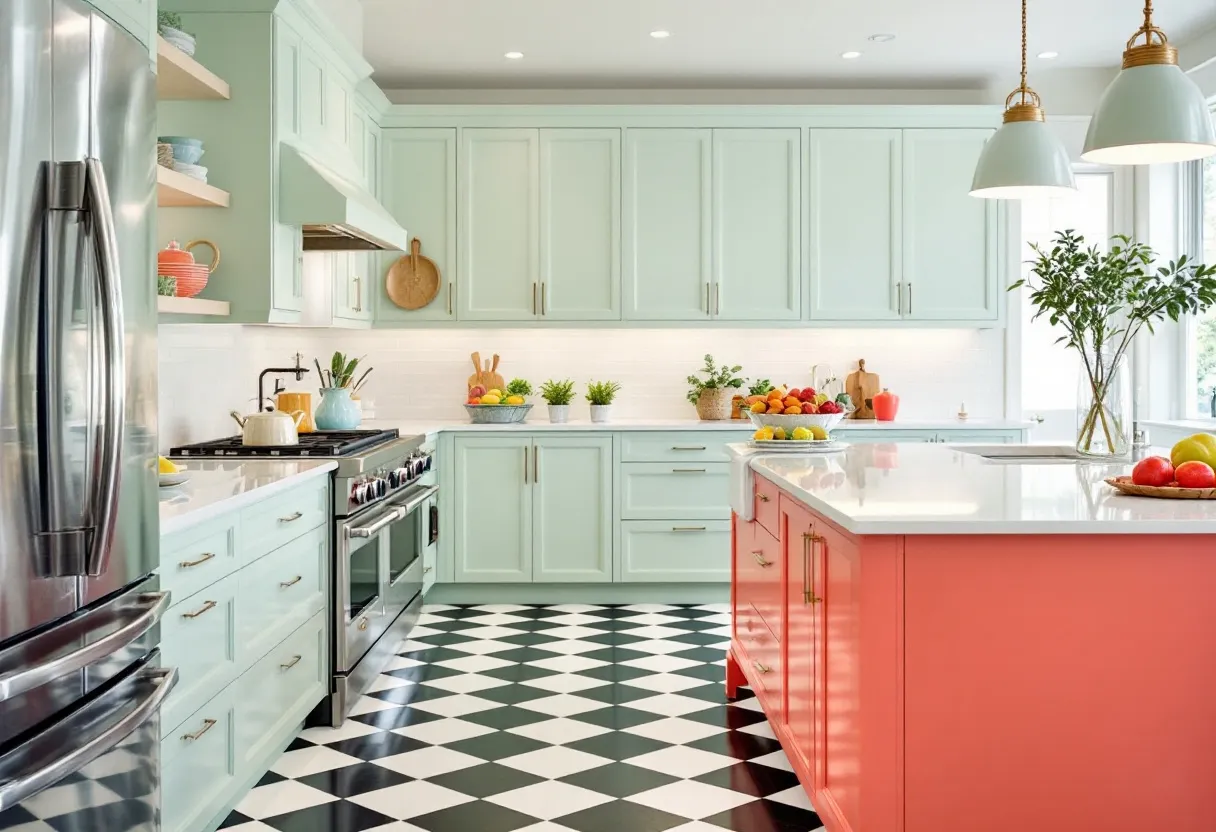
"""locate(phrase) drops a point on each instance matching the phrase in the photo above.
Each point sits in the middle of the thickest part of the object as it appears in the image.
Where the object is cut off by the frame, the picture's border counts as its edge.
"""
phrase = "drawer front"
(198, 637)
(680, 446)
(272, 523)
(198, 557)
(279, 691)
(280, 592)
(766, 498)
(745, 582)
(768, 578)
(674, 551)
(662, 491)
(198, 766)
(763, 655)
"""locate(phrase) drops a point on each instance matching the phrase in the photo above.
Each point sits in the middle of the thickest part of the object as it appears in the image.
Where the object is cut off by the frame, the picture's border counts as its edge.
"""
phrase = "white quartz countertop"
(1195, 425)
(418, 427)
(218, 487)
(912, 488)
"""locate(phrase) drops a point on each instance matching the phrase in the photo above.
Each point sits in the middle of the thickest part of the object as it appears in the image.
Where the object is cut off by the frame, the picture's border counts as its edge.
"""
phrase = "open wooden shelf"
(176, 190)
(191, 306)
(180, 77)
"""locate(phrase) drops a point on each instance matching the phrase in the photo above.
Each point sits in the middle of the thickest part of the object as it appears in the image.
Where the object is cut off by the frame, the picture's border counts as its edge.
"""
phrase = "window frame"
(1190, 243)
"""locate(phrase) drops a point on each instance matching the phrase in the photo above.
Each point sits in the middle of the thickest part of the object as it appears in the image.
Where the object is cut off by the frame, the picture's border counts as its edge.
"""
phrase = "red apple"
(795, 392)
(1153, 470)
(809, 407)
(1195, 474)
(808, 395)
(476, 390)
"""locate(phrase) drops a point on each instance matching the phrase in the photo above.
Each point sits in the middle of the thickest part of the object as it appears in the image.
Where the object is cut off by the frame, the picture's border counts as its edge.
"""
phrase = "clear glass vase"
(1104, 419)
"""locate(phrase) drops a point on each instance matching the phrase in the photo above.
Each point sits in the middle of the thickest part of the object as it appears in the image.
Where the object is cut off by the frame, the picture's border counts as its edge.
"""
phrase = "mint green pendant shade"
(1150, 114)
(1023, 159)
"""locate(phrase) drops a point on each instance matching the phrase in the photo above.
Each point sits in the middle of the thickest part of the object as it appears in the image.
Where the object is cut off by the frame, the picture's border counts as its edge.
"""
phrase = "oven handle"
(418, 499)
(386, 520)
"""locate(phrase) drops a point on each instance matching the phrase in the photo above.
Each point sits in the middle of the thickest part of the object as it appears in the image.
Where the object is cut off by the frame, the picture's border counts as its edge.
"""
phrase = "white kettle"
(270, 427)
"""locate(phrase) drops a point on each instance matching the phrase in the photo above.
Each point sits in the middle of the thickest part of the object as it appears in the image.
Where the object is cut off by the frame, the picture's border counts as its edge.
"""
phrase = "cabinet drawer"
(272, 523)
(766, 498)
(198, 766)
(198, 637)
(280, 592)
(763, 656)
(279, 691)
(759, 571)
(198, 557)
(674, 552)
(680, 446)
(663, 491)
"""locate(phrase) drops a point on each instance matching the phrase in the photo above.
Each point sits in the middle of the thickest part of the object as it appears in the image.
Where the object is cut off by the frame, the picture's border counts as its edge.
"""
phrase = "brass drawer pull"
(688, 528)
(762, 668)
(426, 569)
(688, 447)
(759, 556)
(210, 605)
(688, 470)
(363, 622)
(292, 582)
(295, 660)
(762, 498)
(186, 564)
(291, 518)
(208, 724)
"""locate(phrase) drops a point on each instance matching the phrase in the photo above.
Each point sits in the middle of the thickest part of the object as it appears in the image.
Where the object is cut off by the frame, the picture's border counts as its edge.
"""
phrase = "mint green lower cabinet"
(199, 765)
(658, 490)
(981, 437)
(667, 551)
(198, 637)
(198, 557)
(281, 591)
(430, 554)
(493, 508)
(572, 509)
(683, 446)
(862, 436)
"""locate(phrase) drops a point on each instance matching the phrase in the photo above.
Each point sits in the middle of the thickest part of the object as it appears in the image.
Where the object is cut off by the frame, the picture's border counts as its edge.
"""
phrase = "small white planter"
(559, 414)
(601, 412)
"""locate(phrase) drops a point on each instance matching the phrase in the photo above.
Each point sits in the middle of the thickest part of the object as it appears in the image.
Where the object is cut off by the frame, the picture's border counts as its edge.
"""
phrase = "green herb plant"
(557, 392)
(602, 393)
(1101, 300)
(341, 372)
(759, 387)
(169, 20)
(518, 387)
(716, 378)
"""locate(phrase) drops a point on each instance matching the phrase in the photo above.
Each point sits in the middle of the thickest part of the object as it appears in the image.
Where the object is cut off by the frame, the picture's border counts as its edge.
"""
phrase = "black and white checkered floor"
(567, 718)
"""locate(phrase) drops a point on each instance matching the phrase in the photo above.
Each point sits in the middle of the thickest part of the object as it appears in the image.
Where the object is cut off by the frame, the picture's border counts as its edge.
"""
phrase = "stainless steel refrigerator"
(81, 681)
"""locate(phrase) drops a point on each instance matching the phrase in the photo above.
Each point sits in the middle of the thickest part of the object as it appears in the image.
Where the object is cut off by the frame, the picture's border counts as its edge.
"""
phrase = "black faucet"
(1212, 408)
(298, 371)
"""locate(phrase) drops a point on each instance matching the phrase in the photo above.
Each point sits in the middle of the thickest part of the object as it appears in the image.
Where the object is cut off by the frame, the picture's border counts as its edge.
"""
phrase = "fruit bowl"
(497, 414)
(827, 421)
(1167, 492)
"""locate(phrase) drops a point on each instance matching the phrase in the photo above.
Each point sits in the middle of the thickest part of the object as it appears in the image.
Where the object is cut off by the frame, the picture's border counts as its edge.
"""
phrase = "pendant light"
(1152, 112)
(1024, 158)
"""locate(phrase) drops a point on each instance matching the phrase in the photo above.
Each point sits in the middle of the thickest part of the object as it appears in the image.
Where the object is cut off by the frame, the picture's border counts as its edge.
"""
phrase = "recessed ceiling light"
(848, 56)
(881, 38)
(660, 34)
(514, 56)
(1047, 56)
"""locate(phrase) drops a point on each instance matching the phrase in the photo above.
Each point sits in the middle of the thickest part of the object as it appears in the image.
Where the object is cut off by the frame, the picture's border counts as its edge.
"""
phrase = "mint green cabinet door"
(337, 109)
(667, 224)
(757, 224)
(572, 509)
(357, 143)
(418, 187)
(360, 284)
(493, 509)
(286, 80)
(950, 239)
(580, 227)
(499, 228)
(313, 83)
(854, 183)
(371, 157)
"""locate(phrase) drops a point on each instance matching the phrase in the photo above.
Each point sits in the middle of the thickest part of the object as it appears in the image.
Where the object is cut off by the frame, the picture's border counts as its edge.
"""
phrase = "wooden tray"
(1167, 492)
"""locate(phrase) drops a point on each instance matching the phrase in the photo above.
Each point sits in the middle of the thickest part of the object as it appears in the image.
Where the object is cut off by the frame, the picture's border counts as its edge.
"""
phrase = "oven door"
(406, 545)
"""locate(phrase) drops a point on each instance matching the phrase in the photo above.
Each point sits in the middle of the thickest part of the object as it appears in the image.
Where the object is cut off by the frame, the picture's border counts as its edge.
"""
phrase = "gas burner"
(321, 443)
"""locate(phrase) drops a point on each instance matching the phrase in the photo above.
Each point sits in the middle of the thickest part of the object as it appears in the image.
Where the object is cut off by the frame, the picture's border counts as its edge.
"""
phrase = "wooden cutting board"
(862, 387)
(413, 281)
(486, 376)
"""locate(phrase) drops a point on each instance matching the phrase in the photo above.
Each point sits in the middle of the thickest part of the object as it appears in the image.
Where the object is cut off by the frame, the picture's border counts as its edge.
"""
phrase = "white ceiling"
(746, 43)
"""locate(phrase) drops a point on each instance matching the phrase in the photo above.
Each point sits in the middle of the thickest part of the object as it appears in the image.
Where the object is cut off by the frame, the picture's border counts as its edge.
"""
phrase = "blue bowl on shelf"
(181, 140)
(186, 153)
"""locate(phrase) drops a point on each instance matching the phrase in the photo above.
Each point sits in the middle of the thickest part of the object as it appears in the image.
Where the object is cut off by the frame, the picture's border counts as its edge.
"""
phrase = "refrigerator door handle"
(69, 745)
(18, 674)
(106, 472)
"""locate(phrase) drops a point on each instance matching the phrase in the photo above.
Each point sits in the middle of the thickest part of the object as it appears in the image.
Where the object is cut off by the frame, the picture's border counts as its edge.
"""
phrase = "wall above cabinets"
(696, 216)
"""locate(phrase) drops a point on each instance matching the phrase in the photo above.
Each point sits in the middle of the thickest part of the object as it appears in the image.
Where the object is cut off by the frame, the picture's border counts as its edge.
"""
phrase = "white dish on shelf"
(174, 479)
(802, 446)
(198, 172)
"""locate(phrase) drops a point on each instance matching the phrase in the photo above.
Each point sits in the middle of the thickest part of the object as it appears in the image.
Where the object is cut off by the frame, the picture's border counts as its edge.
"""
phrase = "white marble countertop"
(910, 488)
(418, 427)
(218, 487)
(1196, 425)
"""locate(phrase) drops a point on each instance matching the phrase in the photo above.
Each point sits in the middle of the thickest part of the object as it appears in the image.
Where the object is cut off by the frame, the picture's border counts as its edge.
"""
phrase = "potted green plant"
(601, 394)
(338, 411)
(712, 394)
(169, 25)
(558, 394)
(1101, 300)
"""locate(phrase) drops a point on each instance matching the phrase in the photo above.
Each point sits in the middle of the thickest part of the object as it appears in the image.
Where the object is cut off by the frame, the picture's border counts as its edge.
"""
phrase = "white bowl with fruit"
(796, 408)
(499, 407)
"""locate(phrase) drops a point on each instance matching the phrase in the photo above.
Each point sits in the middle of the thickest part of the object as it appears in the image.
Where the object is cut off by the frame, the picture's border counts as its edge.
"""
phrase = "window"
(1203, 329)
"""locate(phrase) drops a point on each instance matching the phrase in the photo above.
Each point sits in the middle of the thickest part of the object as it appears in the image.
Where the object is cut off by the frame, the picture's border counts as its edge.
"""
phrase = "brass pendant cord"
(1029, 106)
(1156, 48)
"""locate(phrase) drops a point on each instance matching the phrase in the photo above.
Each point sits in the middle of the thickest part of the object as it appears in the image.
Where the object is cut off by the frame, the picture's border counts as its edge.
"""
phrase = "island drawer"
(198, 637)
(281, 519)
(667, 551)
(198, 557)
(198, 764)
(763, 657)
(280, 592)
(680, 446)
(758, 575)
(766, 498)
(663, 491)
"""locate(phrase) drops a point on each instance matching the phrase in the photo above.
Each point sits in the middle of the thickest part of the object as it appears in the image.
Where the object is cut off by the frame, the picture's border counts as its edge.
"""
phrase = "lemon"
(494, 392)
(763, 434)
(817, 432)
(800, 434)
(779, 433)
(491, 398)
(514, 400)
(166, 466)
(820, 398)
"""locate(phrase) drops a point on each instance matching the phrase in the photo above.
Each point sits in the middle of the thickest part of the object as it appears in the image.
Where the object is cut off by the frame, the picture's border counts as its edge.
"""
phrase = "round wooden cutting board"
(413, 281)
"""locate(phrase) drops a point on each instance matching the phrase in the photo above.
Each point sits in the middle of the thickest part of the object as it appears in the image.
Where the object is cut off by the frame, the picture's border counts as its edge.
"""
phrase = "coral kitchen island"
(947, 642)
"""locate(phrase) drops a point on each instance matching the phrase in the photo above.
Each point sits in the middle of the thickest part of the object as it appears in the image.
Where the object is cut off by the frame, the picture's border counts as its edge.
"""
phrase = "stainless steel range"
(385, 515)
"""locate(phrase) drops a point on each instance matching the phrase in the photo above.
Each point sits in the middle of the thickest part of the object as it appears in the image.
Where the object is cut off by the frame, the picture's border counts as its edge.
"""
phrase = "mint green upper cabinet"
(854, 183)
(950, 239)
(418, 187)
(580, 228)
(667, 224)
(499, 229)
(312, 96)
(572, 509)
(757, 224)
(136, 16)
(493, 509)
(337, 108)
(287, 49)
(359, 126)
(351, 285)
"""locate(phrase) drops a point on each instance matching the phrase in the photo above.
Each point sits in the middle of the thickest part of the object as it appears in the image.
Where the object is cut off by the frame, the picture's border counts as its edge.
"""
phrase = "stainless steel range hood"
(334, 213)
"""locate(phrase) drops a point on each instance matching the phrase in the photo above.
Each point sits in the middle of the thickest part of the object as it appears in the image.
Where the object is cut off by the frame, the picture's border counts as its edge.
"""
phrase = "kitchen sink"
(1026, 453)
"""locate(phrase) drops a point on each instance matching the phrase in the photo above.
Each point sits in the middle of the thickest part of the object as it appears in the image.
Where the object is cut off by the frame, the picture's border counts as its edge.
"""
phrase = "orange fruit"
(791, 401)
(754, 399)
(758, 407)
(792, 410)
(775, 407)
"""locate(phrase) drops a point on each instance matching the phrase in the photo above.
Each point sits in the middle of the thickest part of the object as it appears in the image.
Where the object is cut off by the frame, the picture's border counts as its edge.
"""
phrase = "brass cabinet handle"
(292, 582)
(535, 465)
(186, 564)
(809, 539)
(534, 298)
(363, 623)
(909, 297)
(208, 724)
(717, 299)
(761, 667)
(899, 288)
(688, 528)
(291, 518)
(210, 605)
(688, 447)
(525, 464)
(358, 293)
(762, 498)
(543, 286)
(295, 660)
(708, 309)
(449, 299)
(688, 470)
(759, 556)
